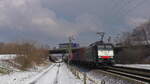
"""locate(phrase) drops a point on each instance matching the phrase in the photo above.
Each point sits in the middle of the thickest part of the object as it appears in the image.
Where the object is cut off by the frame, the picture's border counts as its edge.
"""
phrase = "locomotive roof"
(99, 43)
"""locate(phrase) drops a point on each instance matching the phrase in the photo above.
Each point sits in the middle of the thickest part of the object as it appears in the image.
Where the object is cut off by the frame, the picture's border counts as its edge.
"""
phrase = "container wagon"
(96, 54)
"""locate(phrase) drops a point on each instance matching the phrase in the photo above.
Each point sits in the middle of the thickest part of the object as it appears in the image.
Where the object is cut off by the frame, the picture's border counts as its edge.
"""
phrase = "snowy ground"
(7, 64)
(7, 56)
(143, 66)
(54, 74)
(108, 79)
(97, 77)
(95, 74)
(58, 73)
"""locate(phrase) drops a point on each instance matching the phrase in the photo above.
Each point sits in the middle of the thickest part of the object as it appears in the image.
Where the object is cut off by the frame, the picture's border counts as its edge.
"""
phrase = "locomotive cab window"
(101, 47)
(108, 46)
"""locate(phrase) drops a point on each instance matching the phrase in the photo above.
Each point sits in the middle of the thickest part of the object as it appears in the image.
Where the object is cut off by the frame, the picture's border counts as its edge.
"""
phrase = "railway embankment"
(103, 75)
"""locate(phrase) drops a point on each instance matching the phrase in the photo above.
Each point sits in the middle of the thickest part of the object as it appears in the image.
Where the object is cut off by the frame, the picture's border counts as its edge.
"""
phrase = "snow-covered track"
(137, 74)
(56, 79)
(37, 77)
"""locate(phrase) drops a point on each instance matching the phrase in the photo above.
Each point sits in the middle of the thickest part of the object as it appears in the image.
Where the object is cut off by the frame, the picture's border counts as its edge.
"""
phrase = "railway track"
(136, 74)
(57, 74)
(33, 81)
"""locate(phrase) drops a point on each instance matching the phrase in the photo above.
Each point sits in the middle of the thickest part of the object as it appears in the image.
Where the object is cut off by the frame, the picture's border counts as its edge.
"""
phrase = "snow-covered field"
(95, 76)
(58, 73)
(143, 66)
(7, 62)
(7, 56)
(54, 74)
(16, 78)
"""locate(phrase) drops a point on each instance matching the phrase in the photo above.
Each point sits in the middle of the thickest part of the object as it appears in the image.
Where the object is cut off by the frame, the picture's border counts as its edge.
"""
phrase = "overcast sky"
(52, 21)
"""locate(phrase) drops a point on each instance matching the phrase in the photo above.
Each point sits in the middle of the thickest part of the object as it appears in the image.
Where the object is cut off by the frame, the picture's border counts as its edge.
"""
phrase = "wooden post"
(84, 78)
(103, 82)
(145, 35)
(78, 75)
(70, 47)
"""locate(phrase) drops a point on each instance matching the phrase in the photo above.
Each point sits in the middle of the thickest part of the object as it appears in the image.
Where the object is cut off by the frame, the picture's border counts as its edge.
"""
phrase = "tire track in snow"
(56, 79)
(35, 79)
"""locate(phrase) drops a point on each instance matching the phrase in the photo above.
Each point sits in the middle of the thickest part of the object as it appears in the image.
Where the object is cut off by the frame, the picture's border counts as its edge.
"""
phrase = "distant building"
(66, 45)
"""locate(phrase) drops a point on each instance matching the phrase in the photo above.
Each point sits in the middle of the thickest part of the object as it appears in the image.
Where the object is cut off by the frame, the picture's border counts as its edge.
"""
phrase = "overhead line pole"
(70, 48)
(101, 34)
(145, 35)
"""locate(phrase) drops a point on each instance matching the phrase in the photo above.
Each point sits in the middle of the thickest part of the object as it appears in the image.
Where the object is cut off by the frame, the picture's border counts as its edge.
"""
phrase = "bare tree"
(135, 43)
(28, 53)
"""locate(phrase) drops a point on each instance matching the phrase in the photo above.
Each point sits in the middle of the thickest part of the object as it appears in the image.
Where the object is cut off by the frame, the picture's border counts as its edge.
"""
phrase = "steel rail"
(138, 74)
(137, 71)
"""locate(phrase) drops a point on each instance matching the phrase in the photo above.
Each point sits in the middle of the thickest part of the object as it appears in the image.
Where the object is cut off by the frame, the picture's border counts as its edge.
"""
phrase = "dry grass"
(29, 54)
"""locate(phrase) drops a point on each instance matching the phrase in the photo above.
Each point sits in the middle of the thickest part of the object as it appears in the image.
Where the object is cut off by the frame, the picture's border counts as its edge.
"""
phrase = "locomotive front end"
(105, 54)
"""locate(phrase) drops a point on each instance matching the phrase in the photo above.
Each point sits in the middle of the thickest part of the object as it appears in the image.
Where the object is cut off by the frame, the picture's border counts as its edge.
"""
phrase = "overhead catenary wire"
(123, 10)
(118, 11)
(124, 7)
(135, 6)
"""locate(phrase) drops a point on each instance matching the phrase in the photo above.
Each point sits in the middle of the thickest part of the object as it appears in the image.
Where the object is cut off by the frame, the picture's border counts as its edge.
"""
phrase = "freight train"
(96, 54)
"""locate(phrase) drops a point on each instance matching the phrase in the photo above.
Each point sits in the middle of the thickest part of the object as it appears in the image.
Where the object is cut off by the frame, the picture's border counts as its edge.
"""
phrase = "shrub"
(29, 55)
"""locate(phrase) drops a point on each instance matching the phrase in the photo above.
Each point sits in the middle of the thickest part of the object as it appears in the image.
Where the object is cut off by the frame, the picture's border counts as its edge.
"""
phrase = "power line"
(125, 5)
(137, 5)
(116, 4)
(122, 12)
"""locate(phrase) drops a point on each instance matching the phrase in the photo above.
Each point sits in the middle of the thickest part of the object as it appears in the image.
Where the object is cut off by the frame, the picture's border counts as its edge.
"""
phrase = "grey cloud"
(31, 18)
(56, 19)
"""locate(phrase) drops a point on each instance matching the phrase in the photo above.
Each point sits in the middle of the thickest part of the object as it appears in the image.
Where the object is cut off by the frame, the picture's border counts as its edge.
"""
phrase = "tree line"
(29, 54)
(136, 43)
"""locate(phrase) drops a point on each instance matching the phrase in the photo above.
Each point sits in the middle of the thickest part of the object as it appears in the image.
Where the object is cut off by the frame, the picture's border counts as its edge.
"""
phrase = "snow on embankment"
(7, 63)
(21, 77)
(143, 66)
(55, 74)
(16, 78)
(66, 77)
(7, 56)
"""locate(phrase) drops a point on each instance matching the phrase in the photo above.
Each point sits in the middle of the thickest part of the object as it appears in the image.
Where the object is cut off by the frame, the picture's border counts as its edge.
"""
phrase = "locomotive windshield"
(105, 50)
(105, 47)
